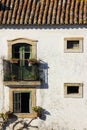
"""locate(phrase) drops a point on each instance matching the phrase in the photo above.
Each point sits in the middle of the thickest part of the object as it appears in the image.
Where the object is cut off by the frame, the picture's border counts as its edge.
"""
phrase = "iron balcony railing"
(14, 72)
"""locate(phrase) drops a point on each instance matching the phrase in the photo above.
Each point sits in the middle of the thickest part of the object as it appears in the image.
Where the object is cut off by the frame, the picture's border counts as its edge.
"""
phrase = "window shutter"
(17, 102)
(30, 51)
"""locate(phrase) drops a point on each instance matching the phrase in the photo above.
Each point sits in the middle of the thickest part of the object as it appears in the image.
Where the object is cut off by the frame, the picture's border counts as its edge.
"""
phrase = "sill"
(73, 50)
(25, 115)
(22, 83)
(73, 96)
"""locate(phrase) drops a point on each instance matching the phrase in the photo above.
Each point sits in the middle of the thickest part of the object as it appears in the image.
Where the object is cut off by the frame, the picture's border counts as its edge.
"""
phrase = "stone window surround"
(22, 40)
(33, 103)
(74, 95)
(78, 50)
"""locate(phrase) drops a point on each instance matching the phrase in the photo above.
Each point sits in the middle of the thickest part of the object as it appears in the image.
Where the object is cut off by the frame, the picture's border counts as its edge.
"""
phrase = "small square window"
(72, 90)
(73, 45)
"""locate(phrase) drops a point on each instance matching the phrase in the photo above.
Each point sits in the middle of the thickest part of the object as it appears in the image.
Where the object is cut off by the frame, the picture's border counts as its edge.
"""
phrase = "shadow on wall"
(24, 124)
(7, 119)
(44, 74)
(51, 27)
(44, 113)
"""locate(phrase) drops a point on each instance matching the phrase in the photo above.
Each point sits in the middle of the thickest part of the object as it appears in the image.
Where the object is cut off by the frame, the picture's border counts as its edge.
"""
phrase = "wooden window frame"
(73, 95)
(33, 101)
(73, 50)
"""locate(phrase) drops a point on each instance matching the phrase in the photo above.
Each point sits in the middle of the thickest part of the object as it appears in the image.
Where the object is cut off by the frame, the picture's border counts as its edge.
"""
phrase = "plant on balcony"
(33, 61)
(13, 77)
(7, 77)
(37, 110)
(32, 76)
(14, 60)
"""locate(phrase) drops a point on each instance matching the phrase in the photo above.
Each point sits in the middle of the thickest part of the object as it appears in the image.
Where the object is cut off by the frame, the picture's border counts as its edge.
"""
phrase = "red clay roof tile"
(43, 12)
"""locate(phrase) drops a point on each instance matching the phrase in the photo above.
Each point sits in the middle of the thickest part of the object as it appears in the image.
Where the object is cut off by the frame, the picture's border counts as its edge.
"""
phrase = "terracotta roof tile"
(43, 12)
(72, 12)
(54, 12)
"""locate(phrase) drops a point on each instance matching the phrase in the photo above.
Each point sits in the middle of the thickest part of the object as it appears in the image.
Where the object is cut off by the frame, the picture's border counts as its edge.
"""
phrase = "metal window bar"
(13, 71)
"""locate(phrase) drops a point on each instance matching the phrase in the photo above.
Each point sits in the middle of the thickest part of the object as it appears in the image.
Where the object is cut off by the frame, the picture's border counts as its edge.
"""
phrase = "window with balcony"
(19, 67)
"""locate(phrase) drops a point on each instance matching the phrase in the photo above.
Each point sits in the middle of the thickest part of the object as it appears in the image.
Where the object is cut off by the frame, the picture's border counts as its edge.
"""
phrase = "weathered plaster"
(64, 113)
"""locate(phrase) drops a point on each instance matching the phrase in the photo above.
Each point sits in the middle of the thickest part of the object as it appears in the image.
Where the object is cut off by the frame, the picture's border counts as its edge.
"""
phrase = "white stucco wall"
(65, 113)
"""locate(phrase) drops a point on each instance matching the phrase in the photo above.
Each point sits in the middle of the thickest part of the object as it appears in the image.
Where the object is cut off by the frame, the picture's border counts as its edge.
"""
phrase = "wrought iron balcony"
(15, 73)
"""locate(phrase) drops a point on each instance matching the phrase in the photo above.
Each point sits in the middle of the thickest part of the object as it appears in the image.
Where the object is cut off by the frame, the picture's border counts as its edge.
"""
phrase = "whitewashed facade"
(64, 113)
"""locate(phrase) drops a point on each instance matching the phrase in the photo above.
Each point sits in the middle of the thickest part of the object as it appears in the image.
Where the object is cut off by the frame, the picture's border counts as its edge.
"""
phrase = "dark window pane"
(72, 44)
(27, 55)
(25, 102)
(15, 55)
(72, 89)
(27, 48)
